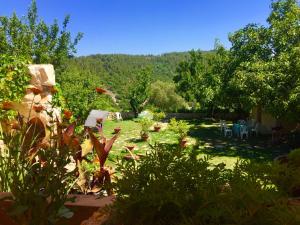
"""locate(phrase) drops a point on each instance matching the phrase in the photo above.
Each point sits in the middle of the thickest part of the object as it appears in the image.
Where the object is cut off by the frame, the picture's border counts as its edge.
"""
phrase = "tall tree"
(80, 94)
(265, 60)
(164, 97)
(250, 51)
(260, 69)
(36, 41)
(195, 80)
(140, 91)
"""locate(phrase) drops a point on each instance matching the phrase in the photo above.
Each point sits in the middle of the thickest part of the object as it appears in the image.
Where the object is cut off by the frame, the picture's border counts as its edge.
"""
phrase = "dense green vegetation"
(80, 94)
(13, 80)
(118, 73)
(166, 181)
(163, 96)
(34, 40)
(173, 186)
(28, 39)
(260, 69)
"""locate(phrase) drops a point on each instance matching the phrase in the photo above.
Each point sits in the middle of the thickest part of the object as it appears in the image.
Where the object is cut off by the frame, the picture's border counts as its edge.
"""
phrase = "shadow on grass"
(212, 142)
(135, 140)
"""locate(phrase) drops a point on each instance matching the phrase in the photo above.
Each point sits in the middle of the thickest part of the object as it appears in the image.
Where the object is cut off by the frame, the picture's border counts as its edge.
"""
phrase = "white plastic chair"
(244, 131)
(228, 131)
(222, 125)
(242, 122)
(255, 129)
(118, 116)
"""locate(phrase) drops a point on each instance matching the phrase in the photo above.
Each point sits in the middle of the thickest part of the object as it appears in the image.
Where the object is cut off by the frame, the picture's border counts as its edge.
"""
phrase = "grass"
(205, 134)
(130, 135)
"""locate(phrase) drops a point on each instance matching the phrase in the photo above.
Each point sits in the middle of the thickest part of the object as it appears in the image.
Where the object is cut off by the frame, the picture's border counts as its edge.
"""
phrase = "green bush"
(172, 186)
(180, 128)
(14, 79)
(145, 125)
(286, 174)
(158, 116)
(164, 97)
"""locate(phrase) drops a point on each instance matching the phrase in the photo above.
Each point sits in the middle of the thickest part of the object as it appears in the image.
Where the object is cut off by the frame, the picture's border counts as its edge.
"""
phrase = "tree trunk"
(134, 108)
(212, 110)
(258, 113)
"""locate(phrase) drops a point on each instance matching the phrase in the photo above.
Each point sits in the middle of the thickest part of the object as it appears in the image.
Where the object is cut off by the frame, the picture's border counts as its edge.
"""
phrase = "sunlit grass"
(205, 134)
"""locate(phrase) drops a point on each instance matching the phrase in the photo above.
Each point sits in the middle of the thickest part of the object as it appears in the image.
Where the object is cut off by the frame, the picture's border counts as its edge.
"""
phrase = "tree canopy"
(164, 97)
(36, 41)
(139, 93)
(261, 68)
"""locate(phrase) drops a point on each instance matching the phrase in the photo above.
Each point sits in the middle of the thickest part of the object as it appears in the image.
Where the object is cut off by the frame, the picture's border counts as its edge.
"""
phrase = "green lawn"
(205, 134)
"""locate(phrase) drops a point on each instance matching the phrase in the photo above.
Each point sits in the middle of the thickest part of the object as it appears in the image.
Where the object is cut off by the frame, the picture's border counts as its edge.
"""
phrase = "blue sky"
(148, 26)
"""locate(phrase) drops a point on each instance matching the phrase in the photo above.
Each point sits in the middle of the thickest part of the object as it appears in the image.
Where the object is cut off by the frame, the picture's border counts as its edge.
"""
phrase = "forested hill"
(115, 72)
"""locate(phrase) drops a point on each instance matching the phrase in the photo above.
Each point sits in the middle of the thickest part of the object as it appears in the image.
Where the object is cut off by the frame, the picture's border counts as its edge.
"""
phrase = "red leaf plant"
(35, 90)
(38, 108)
(72, 142)
(65, 136)
(7, 105)
(67, 114)
(100, 90)
(102, 148)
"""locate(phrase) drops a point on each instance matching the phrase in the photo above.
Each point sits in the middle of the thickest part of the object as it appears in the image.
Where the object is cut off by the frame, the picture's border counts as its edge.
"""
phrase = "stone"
(43, 79)
(42, 75)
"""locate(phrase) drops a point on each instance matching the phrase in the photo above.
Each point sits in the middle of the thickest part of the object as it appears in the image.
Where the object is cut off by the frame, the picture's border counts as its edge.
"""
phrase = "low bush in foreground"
(34, 170)
(173, 186)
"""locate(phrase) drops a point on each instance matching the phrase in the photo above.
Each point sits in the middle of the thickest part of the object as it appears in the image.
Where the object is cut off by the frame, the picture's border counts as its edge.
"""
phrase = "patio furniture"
(242, 122)
(251, 123)
(222, 125)
(236, 129)
(244, 131)
(227, 131)
(255, 129)
(118, 116)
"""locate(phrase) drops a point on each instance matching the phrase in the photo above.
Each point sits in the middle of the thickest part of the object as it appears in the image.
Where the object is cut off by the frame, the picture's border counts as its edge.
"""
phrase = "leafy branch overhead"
(36, 41)
(260, 69)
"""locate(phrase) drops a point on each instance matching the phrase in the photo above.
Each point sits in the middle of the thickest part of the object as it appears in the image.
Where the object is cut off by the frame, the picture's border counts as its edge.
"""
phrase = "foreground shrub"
(173, 186)
(14, 79)
(34, 169)
(286, 173)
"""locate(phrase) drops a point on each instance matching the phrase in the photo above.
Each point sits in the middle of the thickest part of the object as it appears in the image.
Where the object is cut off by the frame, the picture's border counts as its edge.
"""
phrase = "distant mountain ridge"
(117, 71)
(125, 66)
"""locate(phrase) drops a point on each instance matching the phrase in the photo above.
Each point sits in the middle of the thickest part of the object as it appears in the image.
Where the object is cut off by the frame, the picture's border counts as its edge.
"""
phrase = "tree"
(164, 97)
(260, 69)
(80, 94)
(250, 51)
(195, 80)
(140, 91)
(284, 27)
(266, 68)
(31, 38)
(14, 78)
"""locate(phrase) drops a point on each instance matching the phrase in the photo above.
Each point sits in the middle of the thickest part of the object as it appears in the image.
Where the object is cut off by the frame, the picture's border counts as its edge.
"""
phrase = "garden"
(216, 144)
(204, 134)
